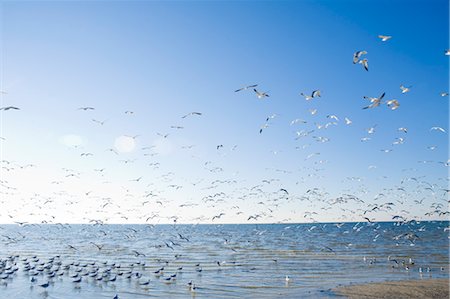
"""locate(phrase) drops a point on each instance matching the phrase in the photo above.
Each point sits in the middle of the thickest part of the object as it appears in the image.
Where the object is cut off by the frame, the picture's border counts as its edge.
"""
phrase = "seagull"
(192, 113)
(357, 55)
(246, 87)
(447, 52)
(265, 126)
(163, 135)
(314, 94)
(393, 104)
(333, 117)
(260, 95)
(9, 108)
(384, 37)
(405, 89)
(402, 129)
(99, 122)
(375, 101)
(371, 130)
(86, 108)
(347, 121)
(298, 120)
(444, 94)
(45, 285)
(365, 63)
(438, 129)
(218, 216)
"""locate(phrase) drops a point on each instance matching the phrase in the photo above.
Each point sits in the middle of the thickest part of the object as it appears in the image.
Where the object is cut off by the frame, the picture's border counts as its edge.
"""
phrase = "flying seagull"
(86, 108)
(192, 113)
(357, 55)
(393, 104)
(438, 129)
(375, 101)
(405, 89)
(365, 63)
(384, 37)
(260, 95)
(314, 94)
(9, 108)
(246, 87)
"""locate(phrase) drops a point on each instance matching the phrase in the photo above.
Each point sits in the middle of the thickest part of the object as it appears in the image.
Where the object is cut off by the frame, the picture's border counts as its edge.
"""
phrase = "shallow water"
(253, 259)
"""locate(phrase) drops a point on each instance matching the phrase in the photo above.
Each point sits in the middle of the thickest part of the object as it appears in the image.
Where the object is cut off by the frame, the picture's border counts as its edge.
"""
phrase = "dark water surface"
(246, 261)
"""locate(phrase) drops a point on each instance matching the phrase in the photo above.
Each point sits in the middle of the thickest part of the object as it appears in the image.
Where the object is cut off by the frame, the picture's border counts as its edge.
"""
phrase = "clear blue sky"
(163, 60)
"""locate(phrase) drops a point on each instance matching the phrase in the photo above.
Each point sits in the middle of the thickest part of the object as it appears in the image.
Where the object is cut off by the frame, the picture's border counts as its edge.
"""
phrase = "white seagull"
(314, 94)
(357, 55)
(260, 95)
(405, 89)
(384, 37)
(438, 129)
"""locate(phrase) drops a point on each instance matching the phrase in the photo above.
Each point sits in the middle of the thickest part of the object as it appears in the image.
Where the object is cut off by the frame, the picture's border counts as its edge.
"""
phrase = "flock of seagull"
(270, 201)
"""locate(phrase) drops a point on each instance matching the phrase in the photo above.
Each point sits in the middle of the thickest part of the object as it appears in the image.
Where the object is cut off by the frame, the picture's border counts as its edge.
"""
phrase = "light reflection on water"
(254, 259)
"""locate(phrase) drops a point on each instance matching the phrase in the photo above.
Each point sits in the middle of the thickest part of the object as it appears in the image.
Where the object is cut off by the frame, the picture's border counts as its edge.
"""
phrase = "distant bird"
(405, 89)
(297, 120)
(265, 126)
(314, 94)
(129, 112)
(365, 63)
(246, 87)
(402, 129)
(357, 55)
(313, 111)
(347, 121)
(9, 108)
(219, 146)
(447, 52)
(393, 104)
(217, 216)
(99, 122)
(192, 113)
(333, 117)
(285, 191)
(437, 129)
(375, 101)
(444, 94)
(384, 37)
(260, 95)
(163, 135)
(86, 108)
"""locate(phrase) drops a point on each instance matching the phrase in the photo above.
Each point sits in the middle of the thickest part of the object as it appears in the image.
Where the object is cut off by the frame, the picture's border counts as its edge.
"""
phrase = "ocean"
(221, 261)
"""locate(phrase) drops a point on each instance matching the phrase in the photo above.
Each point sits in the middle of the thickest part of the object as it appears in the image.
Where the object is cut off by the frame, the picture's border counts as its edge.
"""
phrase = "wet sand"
(430, 288)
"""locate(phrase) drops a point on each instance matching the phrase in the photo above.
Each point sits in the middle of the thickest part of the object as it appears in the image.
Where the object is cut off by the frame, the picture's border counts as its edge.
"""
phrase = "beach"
(428, 288)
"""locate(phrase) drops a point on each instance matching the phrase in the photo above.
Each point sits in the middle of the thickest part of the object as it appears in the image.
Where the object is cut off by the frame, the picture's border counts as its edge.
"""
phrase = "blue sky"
(163, 60)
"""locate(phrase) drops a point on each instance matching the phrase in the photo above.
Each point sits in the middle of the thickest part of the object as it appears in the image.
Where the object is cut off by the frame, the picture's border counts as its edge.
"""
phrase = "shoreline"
(427, 288)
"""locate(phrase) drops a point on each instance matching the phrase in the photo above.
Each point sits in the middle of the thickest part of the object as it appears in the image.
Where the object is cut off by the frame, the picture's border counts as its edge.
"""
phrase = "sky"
(141, 155)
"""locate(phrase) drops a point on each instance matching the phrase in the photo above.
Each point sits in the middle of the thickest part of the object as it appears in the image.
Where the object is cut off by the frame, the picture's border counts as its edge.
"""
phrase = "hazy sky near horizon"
(144, 65)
